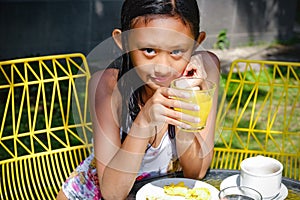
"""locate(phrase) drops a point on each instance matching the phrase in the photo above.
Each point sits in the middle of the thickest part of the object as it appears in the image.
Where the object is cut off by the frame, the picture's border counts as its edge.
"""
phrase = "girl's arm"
(196, 150)
(118, 164)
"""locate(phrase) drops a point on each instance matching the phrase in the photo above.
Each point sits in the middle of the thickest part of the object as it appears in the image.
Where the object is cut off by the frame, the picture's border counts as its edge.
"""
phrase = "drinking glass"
(201, 93)
(239, 193)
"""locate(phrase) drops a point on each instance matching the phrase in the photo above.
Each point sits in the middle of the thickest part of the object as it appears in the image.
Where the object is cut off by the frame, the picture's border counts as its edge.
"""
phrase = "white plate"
(235, 180)
(155, 188)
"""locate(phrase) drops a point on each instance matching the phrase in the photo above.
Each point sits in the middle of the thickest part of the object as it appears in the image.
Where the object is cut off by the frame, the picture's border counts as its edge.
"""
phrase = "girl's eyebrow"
(145, 44)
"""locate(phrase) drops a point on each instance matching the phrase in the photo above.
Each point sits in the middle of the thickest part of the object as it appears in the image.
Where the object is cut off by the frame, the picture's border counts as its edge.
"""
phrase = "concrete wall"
(42, 27)
(248, 21)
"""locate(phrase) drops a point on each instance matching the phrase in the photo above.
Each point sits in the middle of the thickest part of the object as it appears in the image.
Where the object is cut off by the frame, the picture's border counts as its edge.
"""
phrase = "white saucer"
(235, 180)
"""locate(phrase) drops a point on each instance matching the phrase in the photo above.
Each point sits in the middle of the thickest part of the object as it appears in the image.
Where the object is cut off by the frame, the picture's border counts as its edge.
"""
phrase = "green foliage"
(222, 40)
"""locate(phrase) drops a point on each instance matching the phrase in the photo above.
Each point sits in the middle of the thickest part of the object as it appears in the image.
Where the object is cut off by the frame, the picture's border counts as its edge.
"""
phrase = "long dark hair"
(186, 10)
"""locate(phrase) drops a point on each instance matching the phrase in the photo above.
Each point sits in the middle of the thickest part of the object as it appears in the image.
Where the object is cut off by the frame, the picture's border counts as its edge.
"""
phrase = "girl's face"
(160, 50)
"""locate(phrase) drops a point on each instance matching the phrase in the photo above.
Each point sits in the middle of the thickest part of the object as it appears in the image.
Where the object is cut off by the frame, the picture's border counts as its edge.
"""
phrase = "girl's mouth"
(162, 81)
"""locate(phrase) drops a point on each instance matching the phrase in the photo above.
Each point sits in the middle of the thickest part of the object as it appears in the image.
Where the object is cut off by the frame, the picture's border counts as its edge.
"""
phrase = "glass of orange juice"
(201, 93)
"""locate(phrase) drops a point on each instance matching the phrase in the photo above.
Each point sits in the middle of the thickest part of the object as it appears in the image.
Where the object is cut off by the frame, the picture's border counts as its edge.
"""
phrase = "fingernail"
(186, 94)
(185, 126)
(188, 127)
(197, 120)
(196, 107)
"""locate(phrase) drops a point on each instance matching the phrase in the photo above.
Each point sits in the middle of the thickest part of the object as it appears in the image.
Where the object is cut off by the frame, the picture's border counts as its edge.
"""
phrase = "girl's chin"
(156, 85)
(153, 86)
(160, 82)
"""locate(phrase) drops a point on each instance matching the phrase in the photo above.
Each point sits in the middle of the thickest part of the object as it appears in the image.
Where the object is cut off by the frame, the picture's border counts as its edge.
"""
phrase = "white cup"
(262, 174)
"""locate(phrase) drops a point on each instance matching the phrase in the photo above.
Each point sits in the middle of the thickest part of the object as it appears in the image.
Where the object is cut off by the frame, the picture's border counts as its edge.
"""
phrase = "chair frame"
(248, 127)
(49, 153)
(41, 139)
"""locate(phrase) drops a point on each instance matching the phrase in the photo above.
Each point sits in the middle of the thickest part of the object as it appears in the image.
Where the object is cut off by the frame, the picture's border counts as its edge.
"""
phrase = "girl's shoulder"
(103, 86)
(104, 82)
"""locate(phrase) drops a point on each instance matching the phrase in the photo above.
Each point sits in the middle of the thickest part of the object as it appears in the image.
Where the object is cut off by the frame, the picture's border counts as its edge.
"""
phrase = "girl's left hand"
(195, 68)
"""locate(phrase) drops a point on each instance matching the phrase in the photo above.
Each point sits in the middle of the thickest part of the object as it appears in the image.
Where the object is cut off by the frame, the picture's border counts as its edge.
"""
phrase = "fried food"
(198, 194)
(180, 189)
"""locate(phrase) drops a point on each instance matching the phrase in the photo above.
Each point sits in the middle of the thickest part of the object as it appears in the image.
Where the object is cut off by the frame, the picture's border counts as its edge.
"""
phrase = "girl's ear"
(116, 34)
(201, 37)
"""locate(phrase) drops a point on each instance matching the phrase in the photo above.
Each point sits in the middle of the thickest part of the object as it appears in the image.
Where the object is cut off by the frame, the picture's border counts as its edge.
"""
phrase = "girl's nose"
(163, 66)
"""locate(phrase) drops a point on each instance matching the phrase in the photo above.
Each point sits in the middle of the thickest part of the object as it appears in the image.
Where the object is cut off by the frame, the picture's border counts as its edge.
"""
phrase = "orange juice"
(204, 101)
(201, 93)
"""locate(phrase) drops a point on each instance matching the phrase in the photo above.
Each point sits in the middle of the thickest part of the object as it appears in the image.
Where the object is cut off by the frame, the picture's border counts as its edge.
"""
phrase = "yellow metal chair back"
(259, 114)
(45, 130)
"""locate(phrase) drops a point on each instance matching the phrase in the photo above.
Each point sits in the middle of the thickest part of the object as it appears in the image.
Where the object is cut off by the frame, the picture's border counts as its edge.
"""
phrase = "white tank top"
(157, 160)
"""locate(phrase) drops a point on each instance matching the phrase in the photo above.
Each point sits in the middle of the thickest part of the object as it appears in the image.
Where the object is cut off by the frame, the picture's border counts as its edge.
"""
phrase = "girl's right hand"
(158, 110)
(195, 67)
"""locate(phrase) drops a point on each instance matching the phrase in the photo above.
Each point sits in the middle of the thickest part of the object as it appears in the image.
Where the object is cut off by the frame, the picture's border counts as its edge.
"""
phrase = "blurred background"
(47, 27)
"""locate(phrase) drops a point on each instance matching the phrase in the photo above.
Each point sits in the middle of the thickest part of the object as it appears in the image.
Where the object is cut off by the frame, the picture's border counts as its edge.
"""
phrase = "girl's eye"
(149, 51)
(177, 52)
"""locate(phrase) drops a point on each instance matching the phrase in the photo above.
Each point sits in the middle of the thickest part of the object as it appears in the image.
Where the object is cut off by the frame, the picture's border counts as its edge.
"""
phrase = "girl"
(136, 132)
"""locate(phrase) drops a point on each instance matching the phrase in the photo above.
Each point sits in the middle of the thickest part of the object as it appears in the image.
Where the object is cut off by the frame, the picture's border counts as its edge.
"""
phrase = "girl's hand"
(195, 68)
(159, 109)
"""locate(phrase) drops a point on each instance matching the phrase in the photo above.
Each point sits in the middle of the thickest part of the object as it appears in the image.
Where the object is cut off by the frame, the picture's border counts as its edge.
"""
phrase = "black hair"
(133, 10)
(187, 10)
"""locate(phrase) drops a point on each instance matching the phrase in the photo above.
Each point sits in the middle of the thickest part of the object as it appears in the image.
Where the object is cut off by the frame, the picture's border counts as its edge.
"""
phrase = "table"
(215, 177)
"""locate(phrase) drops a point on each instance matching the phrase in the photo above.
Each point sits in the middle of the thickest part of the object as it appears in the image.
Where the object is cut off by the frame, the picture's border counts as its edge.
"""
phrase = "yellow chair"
(45, 130)
(259, 114)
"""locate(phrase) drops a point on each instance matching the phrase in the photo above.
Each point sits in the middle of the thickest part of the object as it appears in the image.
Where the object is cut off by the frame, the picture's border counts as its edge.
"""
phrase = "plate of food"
(177, 189)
